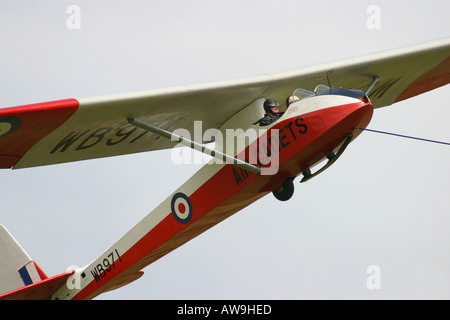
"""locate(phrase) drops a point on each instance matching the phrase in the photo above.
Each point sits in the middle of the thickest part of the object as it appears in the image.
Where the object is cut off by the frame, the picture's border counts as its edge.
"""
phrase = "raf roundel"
(181, 208)
(8, 125)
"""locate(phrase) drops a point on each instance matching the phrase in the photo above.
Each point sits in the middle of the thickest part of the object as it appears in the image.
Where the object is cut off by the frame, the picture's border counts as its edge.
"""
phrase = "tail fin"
(17, 269)
(20, 276)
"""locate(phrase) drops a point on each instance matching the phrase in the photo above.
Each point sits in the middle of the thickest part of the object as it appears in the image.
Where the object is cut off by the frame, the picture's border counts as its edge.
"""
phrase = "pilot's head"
(290, 100)
(271, 106)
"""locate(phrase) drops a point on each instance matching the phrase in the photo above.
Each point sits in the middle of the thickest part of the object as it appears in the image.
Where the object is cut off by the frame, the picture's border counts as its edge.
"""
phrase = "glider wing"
(81, 129)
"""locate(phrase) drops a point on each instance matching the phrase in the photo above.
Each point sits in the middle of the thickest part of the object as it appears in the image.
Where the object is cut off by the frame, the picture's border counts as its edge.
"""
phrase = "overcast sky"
(385, 202)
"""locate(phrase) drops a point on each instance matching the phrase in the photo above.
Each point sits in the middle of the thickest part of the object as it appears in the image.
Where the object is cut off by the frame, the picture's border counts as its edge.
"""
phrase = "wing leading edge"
(73, 130)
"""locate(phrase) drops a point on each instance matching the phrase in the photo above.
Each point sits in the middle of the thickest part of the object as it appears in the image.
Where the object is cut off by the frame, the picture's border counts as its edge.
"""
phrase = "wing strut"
(370, 87)
(194, 145)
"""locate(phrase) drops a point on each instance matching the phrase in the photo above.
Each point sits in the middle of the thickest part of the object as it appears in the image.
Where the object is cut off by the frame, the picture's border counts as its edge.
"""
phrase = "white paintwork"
(215, 103)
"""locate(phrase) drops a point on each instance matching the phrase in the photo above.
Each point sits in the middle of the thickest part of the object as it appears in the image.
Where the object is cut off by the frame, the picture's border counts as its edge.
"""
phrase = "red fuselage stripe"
(223, 194)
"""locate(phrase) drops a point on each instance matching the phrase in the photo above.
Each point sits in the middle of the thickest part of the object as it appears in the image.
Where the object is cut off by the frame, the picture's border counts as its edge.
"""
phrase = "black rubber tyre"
(286, 190)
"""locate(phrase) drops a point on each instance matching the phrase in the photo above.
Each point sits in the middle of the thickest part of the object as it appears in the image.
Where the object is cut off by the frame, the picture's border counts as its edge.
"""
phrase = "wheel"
(286, 190)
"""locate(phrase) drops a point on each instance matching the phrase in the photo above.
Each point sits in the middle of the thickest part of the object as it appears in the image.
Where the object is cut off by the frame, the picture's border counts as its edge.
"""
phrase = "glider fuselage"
(308, 131)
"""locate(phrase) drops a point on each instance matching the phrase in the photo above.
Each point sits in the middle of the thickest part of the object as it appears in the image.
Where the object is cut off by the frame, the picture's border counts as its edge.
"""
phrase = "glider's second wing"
(80, 129)
(71, 130)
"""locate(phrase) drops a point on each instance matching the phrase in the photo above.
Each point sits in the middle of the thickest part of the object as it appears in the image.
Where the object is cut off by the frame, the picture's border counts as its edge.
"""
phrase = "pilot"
(291, 99)
(272, 113)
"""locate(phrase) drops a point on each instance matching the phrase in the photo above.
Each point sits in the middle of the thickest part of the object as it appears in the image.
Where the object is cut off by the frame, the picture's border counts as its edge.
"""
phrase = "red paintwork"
(41, 272)
(435, 78)
(41, 290)
(220, 196)
(37, 121)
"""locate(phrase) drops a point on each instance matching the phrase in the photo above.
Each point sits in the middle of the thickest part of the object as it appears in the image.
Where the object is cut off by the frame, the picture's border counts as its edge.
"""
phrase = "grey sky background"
(385, 202)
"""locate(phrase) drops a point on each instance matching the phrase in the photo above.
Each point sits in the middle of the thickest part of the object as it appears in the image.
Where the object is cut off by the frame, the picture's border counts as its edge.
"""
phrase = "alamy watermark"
(373, 21)
(74, 281)
(259, 147)
(73, 21)
(373, 282)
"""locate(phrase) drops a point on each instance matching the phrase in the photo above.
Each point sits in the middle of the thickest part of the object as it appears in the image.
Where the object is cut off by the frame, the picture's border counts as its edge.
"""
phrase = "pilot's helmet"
(269, 103)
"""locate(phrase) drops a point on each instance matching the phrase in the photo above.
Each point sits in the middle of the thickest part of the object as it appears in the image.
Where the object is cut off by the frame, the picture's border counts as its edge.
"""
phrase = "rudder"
(17, 269)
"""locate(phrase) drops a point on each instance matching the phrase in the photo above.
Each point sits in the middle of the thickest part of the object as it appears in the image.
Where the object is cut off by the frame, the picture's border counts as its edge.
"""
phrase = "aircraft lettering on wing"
(108, 136)
(319, 125)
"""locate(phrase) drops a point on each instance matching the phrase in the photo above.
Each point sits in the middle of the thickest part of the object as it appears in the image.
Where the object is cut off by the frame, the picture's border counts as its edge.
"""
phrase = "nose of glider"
(365, 112)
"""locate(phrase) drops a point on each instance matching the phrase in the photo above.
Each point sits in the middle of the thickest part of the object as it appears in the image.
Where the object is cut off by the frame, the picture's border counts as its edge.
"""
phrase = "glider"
(318, 126)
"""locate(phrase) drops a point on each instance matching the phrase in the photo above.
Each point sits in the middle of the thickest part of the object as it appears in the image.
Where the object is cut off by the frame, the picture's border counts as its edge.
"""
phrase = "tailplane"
(20, 276)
